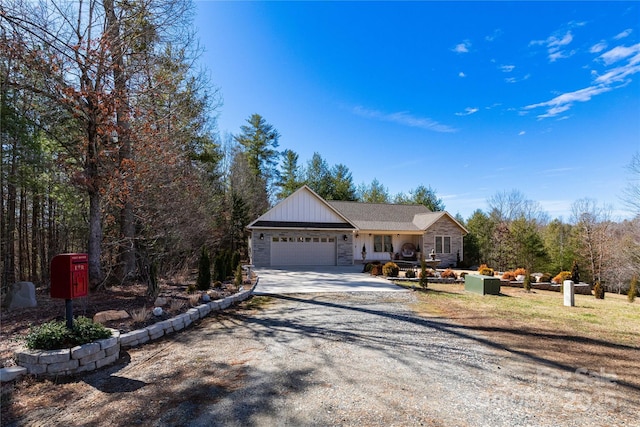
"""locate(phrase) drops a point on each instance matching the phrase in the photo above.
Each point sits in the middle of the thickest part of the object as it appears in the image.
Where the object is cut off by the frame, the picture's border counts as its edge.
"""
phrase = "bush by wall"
(55, 335)
(391, 269)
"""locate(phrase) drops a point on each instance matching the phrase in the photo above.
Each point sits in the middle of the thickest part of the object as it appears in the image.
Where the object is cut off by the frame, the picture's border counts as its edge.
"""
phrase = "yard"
(595, 335)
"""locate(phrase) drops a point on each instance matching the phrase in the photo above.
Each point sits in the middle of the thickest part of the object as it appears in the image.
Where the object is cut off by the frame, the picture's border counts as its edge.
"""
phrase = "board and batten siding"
(305, 207)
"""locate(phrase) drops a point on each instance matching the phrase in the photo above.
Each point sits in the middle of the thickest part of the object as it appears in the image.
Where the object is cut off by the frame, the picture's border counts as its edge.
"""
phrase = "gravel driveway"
(334, 359)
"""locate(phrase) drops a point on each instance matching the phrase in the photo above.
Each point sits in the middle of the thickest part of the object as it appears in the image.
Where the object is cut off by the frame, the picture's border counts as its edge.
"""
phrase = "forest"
(110, 147)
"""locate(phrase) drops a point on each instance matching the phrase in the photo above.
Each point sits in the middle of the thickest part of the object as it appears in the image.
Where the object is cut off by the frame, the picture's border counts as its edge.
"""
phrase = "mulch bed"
(15, 324)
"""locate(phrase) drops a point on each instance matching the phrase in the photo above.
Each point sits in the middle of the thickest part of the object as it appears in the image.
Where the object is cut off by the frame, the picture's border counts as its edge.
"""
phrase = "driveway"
(350, 359)
(296, 280)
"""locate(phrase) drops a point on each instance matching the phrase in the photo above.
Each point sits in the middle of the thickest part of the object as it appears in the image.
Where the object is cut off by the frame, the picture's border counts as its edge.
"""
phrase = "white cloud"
(403, 118)
(462, 47)
(521, 133)
(516, 80)
(625, 33)
(619, 74)
(601, 82)
(507, 68)
(468, 111)
(555, 45)
(598, 47)
(496, 33)
(553, 41)
(564, 102)
(461, 74)
(618, 53)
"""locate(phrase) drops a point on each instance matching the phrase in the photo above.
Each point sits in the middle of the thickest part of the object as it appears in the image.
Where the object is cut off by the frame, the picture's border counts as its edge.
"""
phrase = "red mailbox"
(69, 276)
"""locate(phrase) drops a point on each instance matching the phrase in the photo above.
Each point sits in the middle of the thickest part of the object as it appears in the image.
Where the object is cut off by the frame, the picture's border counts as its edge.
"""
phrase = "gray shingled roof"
(381, 216)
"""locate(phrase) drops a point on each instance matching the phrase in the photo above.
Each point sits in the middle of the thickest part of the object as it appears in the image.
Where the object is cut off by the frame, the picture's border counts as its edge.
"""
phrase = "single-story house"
(304, 229)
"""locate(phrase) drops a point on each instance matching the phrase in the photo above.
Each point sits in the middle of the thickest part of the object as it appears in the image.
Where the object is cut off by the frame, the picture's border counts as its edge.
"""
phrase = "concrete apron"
(294, 280)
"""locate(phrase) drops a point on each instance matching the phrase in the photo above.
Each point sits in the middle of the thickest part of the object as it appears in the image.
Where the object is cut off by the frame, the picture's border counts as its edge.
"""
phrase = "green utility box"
(482, 285)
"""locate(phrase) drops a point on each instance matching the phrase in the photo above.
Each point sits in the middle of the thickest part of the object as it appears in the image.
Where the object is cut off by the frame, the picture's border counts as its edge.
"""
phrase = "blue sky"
(470, 98)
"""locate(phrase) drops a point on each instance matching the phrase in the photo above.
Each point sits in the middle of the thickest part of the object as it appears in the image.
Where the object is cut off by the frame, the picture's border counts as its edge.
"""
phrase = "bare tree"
(632, 191)
(592, 227)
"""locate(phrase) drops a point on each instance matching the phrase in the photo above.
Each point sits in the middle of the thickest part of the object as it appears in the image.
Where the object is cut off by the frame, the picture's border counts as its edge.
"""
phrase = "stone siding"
(444, 227)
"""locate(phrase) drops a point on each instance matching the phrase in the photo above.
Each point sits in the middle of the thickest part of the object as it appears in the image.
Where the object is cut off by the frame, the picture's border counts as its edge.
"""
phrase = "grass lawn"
(613, 317)
(594, 334)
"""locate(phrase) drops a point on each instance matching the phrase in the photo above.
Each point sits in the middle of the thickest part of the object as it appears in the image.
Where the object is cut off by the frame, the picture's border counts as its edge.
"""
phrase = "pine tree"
(204, 271)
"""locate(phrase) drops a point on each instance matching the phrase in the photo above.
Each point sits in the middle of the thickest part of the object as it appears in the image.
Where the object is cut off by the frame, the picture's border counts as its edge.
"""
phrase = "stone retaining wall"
(95, 355)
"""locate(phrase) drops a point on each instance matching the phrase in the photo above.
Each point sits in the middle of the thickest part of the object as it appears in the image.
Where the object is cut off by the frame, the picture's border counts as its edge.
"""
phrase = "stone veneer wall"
(95, 355)
(444, 227)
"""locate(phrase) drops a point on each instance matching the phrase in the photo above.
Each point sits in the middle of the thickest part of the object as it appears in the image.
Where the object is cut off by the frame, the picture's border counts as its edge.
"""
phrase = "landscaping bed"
(15, 324)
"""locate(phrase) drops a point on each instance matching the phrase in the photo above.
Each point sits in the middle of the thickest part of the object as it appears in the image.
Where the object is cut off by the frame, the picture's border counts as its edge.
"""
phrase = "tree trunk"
(127, 255)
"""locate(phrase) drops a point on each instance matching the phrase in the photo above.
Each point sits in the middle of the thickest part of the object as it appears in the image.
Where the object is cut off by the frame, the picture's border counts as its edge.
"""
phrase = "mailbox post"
(69, 280)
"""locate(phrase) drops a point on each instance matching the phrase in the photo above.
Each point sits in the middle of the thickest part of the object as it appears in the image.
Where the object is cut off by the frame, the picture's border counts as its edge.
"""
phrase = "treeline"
(107, 143)
(109, 146)
(517, 233)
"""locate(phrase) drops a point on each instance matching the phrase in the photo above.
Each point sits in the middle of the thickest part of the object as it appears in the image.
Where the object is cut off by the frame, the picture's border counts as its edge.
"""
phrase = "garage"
(303, 250)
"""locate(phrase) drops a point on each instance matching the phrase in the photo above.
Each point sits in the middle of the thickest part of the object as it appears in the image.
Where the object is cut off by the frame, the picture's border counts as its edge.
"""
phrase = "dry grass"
(140, 315)
(177, 304)
(614, 318)
(194, 300)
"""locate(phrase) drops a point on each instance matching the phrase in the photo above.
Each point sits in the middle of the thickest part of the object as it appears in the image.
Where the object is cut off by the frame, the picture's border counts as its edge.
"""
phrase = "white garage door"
(303, 250)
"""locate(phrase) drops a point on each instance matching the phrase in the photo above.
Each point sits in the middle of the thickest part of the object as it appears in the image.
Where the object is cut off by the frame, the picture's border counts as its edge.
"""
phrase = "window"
(443, 244)
(382, 243)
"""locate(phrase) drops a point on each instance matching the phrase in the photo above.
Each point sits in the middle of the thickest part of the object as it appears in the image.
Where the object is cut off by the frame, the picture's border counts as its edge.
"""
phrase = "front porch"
(377, 246)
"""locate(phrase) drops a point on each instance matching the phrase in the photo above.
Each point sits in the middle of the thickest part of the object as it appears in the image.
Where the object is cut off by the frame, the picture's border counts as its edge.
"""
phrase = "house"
(305, 229)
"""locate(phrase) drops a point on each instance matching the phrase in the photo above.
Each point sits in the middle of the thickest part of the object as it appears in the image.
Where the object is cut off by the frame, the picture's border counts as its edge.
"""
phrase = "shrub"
(367, 267)
(527, 282)
(561, 277)
(217, 284)
(463, 274)
(519, 272)
(410, 274)
(546, 277)
(598, 290)
(448, 274)
(390, 269)
(509, 275)
(424, 281)
(55, 335)
(376, 270)
(633, 289)
(427, 273)
(238, 276)
(204, 271)
(485, 271)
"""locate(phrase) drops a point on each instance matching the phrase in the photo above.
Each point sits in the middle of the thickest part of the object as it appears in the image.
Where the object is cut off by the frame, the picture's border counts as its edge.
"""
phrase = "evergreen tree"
(318, 177)
(259, 141)
(204, 271)
(290, 175)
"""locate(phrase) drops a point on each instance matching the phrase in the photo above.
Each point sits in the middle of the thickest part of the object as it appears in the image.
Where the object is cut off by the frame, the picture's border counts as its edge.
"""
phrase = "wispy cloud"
(521, 133)
(467, 111)
(555, 46)
(625, 33)
(496, 33)
(507, 68)
(564, 102)
(462, 47)
(618, 53)
(602, 83)
(403, 118)
(461, 74)
(598, 47)
(516, 79)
